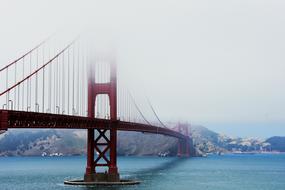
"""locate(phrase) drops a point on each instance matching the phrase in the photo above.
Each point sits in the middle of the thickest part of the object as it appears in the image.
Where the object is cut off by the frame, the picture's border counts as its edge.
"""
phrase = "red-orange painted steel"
(21, 119)
(94, 89)
(3, 120)
(183, 143)
(90, 168)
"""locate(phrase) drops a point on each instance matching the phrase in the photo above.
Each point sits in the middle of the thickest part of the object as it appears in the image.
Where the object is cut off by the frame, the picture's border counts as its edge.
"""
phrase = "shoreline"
(206, 154)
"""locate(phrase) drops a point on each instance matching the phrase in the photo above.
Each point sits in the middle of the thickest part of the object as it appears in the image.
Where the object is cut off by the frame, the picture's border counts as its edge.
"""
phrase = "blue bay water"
(234, 172)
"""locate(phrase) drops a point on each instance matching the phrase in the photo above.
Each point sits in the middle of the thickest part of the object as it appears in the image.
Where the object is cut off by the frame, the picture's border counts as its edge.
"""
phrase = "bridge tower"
(183, 144)
(105, 143)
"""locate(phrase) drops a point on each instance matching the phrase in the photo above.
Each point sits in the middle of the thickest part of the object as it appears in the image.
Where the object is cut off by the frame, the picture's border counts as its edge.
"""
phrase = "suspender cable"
(18, 102)
(49, 88)
(54, 85)
(43, 95)
(57, 85)
(63, 85)
(7, 98)
(125, 105)
(82, 84)
(15, 80)
(68, 61)
(78, 59)
(37, 64)
(28, 85)
(73, 62)
(23, 85)
(30, 92)
(130, 107)
(48, 79)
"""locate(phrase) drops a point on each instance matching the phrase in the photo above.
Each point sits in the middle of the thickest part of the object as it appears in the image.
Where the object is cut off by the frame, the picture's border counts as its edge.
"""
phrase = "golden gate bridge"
(72, 88)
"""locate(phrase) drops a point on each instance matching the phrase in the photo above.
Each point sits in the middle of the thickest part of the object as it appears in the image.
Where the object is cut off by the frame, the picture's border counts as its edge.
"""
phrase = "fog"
(214, 63)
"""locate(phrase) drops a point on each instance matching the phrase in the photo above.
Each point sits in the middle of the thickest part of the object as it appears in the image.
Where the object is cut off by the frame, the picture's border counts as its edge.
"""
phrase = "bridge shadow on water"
(142, 174)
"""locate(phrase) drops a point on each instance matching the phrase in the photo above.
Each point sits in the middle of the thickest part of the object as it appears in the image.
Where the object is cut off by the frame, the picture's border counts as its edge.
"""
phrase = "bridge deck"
(29, 120)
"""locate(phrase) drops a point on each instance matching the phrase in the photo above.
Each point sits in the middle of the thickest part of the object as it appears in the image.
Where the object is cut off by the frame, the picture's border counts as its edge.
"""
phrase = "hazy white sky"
(216, 63)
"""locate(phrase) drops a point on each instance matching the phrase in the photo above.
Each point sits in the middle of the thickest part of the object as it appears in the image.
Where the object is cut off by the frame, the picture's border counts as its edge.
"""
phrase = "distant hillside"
(73, 142)
(208, 141)
(28, 143)
(277, 143)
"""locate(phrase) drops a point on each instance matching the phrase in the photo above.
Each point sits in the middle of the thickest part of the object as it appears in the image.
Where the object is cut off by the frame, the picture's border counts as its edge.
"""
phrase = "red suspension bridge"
(71, 88)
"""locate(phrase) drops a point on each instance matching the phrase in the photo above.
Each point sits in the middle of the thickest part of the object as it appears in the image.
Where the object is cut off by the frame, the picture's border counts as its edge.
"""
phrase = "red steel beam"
(29, 120)
(127, 126)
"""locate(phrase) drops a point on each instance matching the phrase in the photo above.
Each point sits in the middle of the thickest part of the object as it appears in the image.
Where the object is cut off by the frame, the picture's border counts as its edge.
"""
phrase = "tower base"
(102, 177)
(101, 183)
